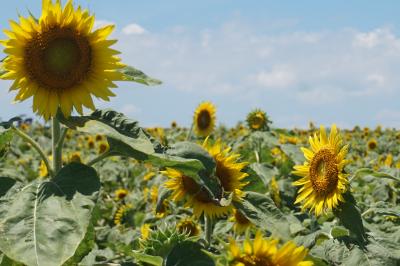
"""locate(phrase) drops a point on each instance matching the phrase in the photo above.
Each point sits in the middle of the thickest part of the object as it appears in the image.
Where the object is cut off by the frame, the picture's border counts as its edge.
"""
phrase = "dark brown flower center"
(58, 58)
(324, 172)
(203, 119)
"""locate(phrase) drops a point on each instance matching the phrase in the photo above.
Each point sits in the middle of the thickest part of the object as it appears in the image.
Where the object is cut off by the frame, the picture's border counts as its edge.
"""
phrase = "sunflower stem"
(36, 146)
(99, 158)
(56, 148)
(189, 135)
(208, 228)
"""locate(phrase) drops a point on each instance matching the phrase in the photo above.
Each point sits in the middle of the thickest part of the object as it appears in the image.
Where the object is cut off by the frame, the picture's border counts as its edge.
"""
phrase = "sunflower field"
(98, 189)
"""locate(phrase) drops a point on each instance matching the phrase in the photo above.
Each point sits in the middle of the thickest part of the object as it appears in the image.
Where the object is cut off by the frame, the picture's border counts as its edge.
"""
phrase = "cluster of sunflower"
(146, 214)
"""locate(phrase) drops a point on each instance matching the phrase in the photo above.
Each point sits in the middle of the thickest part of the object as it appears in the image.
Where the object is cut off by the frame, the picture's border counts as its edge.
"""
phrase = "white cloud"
(130, 109)
(278, 77)
(133, 28)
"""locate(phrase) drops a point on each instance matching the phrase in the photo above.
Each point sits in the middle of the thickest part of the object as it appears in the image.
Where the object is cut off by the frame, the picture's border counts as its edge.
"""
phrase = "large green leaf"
(133, 74)
(127, 138)
(43, 223)
(350, 217)
(261, 211)
(188, 253)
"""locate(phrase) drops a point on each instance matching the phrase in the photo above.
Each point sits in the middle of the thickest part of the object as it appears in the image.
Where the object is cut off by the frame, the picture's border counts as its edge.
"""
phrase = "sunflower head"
(265, 252)
(75, 157)
(241, 223)
(323, 179)
(372, 144)
(204, 119)
(121, 193)
(228, 174)
(188, 226)
(59, 60)
(122, 214)
(257, 120)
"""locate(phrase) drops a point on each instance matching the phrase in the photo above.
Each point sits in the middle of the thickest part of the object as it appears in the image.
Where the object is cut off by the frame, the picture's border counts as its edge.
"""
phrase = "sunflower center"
(324, 172)
(58, 58)
(240, 218)
(204, 119)
(190, 185)
(255, 260)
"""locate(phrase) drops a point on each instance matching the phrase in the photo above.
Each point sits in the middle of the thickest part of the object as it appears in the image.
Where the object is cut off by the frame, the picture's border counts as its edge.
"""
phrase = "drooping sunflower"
(188, 226)
(228, 172)
(265, 252)
(204, 119)
(257, 120)
(59, 60)
(121, 193)
(323, 179)
(241, 223)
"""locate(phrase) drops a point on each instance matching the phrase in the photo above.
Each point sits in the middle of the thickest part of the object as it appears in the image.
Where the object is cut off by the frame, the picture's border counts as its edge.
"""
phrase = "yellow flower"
(148, 176)
(59, 60)
(90, 143)
(43, 171)
(257, 120)
(228, 172)
(145, 231)
(265, 252)
(204, 119)
(120, 214)
(372, 144)
(389, 160)
(103, 147)
(174, 124)
(241, 223)
(274, 190)
(188, 226)
(75, 157)
(323, 181)
(121, 193)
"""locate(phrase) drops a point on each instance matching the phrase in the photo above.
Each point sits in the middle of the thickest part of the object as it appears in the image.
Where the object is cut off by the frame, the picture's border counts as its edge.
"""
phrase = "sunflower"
(59, 60)
(121, 193)
(265, 252)
(145, 231)
(188, 226)
(323, 180)
(204, 119)
(228, 172)
(372, 144)
(257, 120)
(75, 157)
(241, 223)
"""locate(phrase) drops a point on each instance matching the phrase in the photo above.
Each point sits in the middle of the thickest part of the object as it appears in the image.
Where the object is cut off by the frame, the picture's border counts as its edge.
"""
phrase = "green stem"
(208, 224)
(56, 149)
(37, 147)
(190, 133)
(99, 158)
(60, 142)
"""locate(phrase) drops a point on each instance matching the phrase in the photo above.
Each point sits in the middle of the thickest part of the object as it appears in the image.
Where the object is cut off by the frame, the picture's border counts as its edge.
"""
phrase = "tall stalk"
(56, 144)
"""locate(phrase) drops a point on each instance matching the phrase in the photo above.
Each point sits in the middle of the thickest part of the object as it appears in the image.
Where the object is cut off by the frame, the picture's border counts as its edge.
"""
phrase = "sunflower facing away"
(204, 119)
(265, 252)
(59, 60)
(323, 181)
(228, 172)
(257, 120)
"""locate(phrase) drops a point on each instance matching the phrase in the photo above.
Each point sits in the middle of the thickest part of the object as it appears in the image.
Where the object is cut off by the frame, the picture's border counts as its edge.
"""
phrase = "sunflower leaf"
(126, 138)
(369, 172)
(136, 75)
(261, 211)
(188, 253)
(42, 223)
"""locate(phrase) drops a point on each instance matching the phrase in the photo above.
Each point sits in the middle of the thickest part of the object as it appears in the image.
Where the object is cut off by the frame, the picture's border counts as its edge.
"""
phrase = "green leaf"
(350, 217)
(369, 172)
(133, 74)
(127, 138)
(339, 231)
(188, 253)
(261, 211)
(152, 260)
(42, 223)
(293, 152)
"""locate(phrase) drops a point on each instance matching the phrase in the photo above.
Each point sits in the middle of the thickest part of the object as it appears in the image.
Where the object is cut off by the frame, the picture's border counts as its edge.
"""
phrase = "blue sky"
(325, 61)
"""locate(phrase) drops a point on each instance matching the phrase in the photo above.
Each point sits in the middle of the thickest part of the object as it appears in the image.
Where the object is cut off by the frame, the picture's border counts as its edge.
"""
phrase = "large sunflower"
(265, 252)
(229, 174)
(323, 179)
(59, 60)
(257, 120)
(204, 119)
